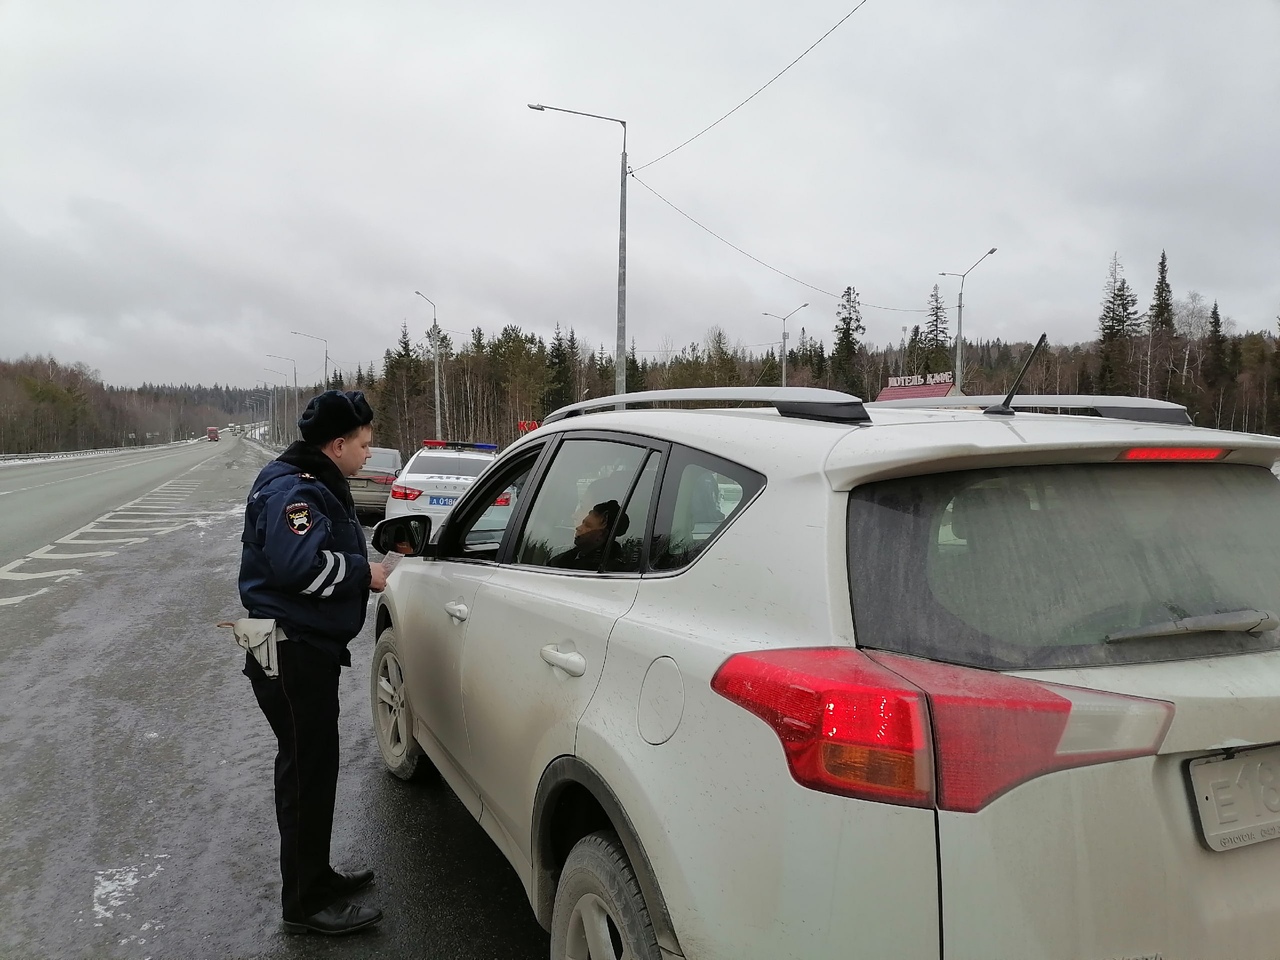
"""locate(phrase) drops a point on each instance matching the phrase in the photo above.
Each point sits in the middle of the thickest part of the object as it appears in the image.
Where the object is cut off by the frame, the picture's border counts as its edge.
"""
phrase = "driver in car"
(589, 537)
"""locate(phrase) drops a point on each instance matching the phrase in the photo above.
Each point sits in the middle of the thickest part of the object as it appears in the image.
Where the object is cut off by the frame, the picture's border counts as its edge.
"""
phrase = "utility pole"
(784, 336)
(435, 353)
(960, 319)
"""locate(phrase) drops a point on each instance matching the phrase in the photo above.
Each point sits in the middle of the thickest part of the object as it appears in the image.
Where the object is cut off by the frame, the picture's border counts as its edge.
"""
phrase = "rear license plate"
(1238, 797)
(440, 501)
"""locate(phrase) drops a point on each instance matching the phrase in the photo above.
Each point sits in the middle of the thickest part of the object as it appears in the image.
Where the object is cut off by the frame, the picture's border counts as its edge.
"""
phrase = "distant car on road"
(211, 433)
(369, 486)
(436, 476)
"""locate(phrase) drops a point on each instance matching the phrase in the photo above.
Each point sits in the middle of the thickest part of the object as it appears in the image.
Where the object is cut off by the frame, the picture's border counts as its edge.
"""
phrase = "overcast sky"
(184, 183)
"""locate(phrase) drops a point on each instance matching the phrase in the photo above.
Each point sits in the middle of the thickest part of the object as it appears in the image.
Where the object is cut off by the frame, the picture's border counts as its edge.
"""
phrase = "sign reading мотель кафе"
(922, 380)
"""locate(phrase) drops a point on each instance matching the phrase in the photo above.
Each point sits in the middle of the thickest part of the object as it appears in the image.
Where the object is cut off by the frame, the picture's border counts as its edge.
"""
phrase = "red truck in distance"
(211, 433)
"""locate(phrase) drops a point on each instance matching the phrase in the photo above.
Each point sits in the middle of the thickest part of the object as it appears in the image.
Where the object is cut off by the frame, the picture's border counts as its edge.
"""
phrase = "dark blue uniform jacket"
(304, 561)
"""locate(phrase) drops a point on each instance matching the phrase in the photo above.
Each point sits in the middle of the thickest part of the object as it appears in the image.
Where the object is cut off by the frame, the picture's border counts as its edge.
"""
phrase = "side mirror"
(408, 536)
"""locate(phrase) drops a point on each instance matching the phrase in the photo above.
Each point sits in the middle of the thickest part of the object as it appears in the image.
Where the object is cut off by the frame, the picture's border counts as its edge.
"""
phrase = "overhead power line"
(767, 266)
(758, 92)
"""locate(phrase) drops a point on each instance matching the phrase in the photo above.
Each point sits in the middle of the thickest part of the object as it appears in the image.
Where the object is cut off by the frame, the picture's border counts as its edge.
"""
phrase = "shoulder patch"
(299, 517)
(305, 476)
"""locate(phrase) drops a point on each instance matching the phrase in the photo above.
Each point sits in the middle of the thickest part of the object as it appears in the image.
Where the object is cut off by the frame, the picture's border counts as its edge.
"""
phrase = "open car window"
(476, 531)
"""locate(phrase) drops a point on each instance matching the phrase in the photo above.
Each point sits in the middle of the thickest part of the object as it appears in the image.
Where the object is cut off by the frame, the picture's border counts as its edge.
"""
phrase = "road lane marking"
(10, 601)
(81, 476)
(155, 513)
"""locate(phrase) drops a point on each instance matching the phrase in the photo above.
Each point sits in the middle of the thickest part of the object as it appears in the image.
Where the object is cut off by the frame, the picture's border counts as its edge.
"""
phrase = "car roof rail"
(803, 403)
(1115, 408)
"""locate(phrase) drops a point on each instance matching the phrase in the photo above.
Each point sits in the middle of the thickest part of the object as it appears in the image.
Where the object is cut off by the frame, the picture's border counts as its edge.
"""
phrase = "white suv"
(847, 680)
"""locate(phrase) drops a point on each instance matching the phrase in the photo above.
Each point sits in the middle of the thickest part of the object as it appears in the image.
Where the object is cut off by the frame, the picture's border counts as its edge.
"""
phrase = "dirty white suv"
(843, 679)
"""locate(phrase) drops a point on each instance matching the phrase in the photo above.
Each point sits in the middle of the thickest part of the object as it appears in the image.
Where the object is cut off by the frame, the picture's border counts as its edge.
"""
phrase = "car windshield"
(383, 460)
(433, 464)
(1029, 567)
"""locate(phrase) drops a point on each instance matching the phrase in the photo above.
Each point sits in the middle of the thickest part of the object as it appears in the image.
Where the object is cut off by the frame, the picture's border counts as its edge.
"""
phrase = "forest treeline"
(1180, 348)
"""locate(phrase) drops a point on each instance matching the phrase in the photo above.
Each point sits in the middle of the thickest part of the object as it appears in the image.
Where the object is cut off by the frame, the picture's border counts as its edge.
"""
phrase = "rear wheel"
(599, 912)
(392, 715)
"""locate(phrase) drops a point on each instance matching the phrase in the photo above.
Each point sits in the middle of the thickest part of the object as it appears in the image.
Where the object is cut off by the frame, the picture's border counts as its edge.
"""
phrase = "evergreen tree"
(1160, 366)
(560, 380)
(844, 353)
(1215, 369)
(1117, 325)
(936, 326)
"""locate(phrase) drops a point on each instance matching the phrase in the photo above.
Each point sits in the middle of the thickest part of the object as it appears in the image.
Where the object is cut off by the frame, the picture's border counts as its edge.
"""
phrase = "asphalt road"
(136, 817)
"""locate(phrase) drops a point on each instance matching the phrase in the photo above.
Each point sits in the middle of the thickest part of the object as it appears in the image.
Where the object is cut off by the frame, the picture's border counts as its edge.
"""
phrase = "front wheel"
(392, 715)
(599, 912)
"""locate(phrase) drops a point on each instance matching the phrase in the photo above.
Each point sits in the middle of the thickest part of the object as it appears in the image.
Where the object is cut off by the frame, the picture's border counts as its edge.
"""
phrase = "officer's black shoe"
(345, 884)
(336, 920)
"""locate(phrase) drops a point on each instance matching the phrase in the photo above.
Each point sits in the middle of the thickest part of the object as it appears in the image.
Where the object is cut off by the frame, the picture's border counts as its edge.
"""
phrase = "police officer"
(304, 564)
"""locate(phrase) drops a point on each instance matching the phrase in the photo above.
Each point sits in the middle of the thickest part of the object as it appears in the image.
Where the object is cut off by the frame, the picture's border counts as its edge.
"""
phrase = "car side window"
(477, 532)
(577, 513)
(700, 494)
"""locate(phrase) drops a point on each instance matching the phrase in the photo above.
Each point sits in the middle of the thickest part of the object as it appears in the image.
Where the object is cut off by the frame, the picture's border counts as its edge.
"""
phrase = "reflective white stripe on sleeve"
(342, 572)
(328, 565)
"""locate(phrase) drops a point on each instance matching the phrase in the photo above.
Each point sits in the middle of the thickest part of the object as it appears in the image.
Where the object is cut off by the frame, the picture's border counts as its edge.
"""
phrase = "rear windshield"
(383, 460)
(437, 465)
(1030, 567)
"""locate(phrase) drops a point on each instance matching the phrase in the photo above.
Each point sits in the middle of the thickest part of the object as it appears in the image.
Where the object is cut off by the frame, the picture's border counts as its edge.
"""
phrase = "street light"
(784, 337)
(298, 333)
(435, 353)
(295, 384)
(620, 358)
(274, 420)
(960, 319)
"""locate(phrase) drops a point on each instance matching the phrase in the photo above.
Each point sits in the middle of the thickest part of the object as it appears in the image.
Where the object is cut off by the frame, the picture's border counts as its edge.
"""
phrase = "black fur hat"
(334, 414)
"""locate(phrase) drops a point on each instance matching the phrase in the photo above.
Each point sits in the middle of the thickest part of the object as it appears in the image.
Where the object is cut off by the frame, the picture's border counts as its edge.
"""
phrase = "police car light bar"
(458, 445)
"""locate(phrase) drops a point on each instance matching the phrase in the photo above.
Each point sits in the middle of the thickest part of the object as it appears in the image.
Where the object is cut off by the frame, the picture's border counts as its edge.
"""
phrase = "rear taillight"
(503, 501)
(847, 725)
(915, 732)
(385, 479)
(400, 492)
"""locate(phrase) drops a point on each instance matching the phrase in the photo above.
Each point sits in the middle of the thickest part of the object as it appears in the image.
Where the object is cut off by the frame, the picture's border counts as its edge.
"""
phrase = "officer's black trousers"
(301, 704)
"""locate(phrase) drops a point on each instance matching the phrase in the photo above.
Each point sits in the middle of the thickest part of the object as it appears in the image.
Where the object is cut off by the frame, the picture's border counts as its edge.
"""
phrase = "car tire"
(599, 911)
(392, 715)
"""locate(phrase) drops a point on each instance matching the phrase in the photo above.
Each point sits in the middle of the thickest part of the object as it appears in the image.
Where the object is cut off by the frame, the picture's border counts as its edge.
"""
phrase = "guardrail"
(69, 454)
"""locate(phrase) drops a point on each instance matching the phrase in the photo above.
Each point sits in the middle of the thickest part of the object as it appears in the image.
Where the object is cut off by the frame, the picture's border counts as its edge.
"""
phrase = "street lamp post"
(298, 333)
(275, 424)
(435, 353)
(960, 319)
(295, 385)
(620, 356)
(784, 337)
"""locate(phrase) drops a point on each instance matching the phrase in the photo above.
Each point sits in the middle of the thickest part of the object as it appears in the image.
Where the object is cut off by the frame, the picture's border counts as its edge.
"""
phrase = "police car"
(893, 680)
(436, 476)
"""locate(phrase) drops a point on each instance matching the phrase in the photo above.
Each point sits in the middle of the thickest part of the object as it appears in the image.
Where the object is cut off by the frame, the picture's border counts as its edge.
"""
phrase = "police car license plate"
(440, 501)
(1238, 797)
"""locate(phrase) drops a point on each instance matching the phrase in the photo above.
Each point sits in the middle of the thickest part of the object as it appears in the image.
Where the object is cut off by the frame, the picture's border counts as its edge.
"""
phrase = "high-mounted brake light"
(400, 492)
(900, 730)
(1173, 453)
(503, 501)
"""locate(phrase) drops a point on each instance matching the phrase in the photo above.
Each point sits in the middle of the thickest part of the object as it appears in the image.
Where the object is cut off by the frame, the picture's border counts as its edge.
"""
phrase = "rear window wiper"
(1234, 621)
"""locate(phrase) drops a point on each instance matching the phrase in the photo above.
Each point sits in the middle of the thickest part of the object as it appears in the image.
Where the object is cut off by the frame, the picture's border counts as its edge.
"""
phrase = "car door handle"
(457, 609)
(574, 664)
